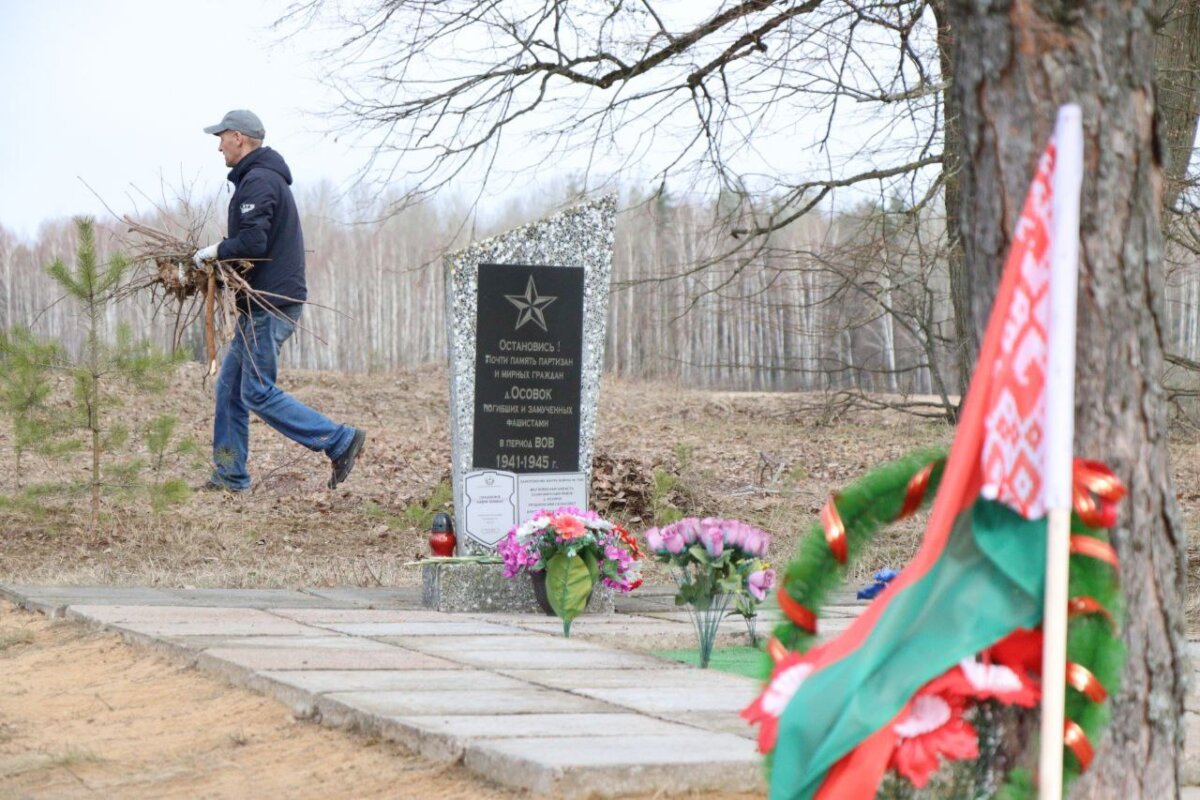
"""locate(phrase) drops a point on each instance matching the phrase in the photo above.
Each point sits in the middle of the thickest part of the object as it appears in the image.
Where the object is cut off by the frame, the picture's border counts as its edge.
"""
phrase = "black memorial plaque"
(528, 368)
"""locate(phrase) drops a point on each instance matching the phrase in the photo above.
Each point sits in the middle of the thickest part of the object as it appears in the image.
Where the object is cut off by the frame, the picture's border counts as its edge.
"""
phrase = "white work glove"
(205, 254)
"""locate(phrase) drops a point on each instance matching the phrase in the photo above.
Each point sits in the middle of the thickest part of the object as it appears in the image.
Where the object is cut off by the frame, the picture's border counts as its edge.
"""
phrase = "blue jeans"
(247, 383)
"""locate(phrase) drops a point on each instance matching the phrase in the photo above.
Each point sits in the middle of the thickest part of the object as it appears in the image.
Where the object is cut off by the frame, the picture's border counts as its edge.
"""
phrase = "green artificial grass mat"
(747, 661)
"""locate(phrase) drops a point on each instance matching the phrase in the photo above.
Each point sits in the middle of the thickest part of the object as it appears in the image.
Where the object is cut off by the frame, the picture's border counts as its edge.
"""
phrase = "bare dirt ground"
(82, 714)
(770, 459)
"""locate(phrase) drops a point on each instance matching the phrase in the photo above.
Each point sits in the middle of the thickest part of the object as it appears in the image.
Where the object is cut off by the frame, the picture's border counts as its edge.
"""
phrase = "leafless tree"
(659, 90)
(476, 92)
(855, 304)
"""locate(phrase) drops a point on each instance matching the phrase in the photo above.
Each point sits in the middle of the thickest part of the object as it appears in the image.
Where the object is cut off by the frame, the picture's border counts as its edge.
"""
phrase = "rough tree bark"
(1015, 62)
(1177, 78)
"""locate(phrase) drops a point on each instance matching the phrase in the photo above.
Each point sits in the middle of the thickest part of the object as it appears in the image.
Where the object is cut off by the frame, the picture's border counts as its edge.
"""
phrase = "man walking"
(264, 228)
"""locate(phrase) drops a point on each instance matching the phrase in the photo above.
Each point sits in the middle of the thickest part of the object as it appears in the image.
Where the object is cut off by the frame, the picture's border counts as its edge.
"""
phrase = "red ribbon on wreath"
(1081, 679)
(1092, 547)
(1096, 491)
(835, 530)
(800, 615)
(1077, 740)
(914, 495)
(1086, 604)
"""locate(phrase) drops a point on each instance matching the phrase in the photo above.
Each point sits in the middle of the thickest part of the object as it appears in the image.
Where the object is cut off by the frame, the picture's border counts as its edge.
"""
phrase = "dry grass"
(11, 639)
(766, 458)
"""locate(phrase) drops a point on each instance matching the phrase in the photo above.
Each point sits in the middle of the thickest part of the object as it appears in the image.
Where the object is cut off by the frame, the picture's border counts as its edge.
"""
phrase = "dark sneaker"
(345, 462)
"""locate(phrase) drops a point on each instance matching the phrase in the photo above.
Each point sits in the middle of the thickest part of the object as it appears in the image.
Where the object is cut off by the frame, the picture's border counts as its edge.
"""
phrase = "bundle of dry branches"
(166, 269)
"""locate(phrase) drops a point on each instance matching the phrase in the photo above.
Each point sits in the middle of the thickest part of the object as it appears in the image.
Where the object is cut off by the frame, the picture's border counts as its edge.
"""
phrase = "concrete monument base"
(483, 587)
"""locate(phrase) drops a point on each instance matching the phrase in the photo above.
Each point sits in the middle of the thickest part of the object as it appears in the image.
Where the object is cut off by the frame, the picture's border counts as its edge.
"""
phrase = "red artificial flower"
(1004, 672)
(1021, 651)
(568, 526)
(635, 584)
(634, 550)
(976, 679)
(768, 707)
(930, 729)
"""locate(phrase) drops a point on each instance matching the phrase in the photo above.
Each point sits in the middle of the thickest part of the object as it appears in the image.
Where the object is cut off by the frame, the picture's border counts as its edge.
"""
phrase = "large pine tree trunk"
(1015, 62)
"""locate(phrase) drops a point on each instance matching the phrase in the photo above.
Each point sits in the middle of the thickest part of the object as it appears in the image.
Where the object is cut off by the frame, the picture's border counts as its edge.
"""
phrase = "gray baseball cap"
(242, 121)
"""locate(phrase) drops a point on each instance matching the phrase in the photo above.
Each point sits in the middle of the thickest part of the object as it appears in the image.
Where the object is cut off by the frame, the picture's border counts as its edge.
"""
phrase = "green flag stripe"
(988, 582)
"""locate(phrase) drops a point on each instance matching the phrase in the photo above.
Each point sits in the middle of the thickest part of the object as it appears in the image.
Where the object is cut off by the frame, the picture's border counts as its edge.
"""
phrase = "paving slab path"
(505, 694)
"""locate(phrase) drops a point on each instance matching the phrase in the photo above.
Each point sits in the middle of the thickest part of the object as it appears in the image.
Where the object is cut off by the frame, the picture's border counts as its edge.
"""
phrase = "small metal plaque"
(491, 505)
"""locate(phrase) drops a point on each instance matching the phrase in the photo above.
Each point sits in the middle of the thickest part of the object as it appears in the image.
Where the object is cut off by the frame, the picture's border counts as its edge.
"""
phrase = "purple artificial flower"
(689, 529)
(754, 541)
(673, 540)
(712, 538)
(735, 533)
(760, 582)
(513, 553)
(745, 537)
(654, 540)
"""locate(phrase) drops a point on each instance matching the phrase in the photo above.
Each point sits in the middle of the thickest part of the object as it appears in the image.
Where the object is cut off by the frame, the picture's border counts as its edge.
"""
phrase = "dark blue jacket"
(264, 227)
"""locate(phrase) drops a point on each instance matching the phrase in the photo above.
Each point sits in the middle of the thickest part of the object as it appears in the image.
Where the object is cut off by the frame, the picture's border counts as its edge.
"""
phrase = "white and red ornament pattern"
(1014, 442)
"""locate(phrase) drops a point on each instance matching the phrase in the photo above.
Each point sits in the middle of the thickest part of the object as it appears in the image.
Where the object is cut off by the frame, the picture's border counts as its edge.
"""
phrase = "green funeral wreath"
(855, 515)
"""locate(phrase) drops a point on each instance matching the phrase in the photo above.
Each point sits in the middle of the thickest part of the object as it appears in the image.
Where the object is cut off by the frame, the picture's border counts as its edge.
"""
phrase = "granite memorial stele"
(526, 315)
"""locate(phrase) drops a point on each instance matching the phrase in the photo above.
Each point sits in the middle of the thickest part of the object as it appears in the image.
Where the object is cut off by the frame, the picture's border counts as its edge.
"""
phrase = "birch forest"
(858, 300)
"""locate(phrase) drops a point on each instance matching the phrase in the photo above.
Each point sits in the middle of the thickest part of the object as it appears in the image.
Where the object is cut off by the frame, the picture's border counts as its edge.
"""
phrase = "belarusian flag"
(978, 577)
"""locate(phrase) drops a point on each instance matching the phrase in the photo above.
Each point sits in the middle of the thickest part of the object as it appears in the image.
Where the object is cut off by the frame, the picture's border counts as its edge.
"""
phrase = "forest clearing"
(783, 240)
(87, 712)
(769, 458)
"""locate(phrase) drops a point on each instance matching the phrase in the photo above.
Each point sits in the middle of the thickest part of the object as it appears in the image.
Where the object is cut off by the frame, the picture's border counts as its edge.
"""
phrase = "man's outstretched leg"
(264, 334)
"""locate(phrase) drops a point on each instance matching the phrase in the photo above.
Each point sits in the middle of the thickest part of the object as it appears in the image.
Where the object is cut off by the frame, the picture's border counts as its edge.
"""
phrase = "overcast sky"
(116, 92)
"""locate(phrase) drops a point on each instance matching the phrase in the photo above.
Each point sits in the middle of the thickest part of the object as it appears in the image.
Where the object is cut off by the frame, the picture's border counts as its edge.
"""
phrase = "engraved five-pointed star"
(531, 305)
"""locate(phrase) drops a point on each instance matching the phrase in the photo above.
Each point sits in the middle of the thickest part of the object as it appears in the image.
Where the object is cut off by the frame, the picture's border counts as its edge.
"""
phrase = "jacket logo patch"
(247, 208)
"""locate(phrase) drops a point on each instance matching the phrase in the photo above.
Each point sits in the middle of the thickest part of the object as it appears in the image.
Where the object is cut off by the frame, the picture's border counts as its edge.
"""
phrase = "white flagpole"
(1060, 436)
